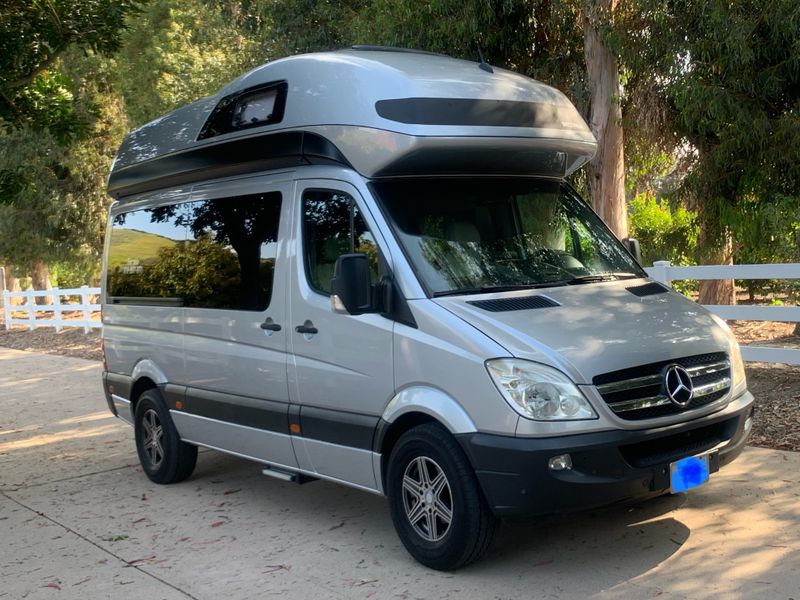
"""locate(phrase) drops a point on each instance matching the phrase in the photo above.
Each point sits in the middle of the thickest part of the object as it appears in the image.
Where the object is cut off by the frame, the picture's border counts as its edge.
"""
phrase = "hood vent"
(519, 303)
(648, 289)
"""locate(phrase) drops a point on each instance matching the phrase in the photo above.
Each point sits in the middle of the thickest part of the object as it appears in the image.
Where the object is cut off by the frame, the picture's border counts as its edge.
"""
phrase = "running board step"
(286, 475)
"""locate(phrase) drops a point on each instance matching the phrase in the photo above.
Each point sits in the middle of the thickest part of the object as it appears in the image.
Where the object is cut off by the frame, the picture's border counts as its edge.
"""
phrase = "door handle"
(307, 328)
(270, 325)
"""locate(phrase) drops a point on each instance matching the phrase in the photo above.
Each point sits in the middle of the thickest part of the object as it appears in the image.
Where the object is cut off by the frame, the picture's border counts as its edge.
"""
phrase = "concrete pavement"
(78, 519)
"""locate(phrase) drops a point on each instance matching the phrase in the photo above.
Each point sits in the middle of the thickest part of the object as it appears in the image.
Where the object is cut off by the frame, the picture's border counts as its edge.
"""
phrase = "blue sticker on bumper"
(688, 473)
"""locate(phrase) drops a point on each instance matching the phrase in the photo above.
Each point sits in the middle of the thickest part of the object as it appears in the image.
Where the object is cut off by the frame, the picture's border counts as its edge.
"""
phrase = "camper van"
(366, 266)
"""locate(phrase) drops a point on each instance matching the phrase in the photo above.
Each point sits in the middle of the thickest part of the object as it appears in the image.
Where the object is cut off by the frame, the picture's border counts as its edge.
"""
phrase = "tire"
(435, 501)
(162, 454)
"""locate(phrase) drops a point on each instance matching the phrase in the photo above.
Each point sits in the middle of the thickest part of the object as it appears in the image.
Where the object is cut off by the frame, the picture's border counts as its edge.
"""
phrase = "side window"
(332, 226)
(142, 243)
(207, 254)
(231, 250)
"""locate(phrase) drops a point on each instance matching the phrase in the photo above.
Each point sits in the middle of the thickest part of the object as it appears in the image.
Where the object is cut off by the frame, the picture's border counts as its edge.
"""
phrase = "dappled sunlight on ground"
(53, 415)
(69, 468)
(745, 536)
(51, 438)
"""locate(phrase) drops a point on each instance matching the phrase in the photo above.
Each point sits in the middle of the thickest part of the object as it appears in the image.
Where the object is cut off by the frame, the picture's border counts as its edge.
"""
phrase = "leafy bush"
(664, 233)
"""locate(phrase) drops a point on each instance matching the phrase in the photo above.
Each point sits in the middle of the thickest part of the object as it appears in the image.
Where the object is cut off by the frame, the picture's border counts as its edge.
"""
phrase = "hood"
(595, 328)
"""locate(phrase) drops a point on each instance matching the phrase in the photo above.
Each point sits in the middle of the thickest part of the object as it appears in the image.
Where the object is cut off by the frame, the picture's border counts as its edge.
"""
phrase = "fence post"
(31, 309)
(85, 304)
(6, 310)
(660, 272)
(56, 299)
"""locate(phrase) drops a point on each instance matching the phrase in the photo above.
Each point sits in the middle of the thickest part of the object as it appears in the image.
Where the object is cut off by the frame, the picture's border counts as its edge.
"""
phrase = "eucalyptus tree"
(719, 83)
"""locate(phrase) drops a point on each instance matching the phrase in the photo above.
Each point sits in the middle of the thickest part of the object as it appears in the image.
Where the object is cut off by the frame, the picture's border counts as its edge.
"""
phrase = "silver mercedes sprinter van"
(365, 266)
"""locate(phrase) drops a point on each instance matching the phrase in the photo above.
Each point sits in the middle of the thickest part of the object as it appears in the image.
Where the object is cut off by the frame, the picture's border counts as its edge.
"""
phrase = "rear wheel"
(162, 454)
(435, 500)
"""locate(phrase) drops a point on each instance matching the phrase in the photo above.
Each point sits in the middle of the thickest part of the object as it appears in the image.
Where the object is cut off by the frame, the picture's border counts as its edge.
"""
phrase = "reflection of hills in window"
(138, 246)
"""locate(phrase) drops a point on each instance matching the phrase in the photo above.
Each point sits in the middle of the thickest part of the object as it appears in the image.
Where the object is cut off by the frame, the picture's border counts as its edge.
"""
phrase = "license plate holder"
(688, 473)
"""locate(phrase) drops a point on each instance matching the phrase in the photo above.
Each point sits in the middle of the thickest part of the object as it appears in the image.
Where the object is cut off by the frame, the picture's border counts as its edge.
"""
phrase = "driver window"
(332, 226)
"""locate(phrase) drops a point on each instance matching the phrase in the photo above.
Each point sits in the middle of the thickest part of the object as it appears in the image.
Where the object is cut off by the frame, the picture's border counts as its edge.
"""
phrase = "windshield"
(472, 235)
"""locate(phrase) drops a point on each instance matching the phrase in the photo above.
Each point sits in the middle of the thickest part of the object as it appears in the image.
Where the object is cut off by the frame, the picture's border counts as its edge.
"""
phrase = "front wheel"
(435, 500)
(164, 457)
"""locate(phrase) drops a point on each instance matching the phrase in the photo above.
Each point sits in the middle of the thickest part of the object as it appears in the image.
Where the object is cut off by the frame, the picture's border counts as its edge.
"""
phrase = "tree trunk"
(12, 284)
(714, 253)
(607, 169)
(41, 281)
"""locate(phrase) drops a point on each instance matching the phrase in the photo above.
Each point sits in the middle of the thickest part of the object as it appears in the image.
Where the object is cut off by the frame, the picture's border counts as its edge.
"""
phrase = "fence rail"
(666, 273)
(55, 306)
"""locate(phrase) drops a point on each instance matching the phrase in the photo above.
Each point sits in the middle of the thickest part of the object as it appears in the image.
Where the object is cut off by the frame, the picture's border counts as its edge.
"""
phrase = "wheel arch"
(140, 386)
(145, 376)
(411, 407)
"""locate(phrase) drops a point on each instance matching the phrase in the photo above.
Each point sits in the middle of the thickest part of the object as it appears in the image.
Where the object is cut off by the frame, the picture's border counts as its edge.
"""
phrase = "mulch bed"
(776, 387)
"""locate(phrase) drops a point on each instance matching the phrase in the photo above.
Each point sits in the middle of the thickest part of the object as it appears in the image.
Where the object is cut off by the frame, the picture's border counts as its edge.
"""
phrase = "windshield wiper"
(599, 277)
(496, 288)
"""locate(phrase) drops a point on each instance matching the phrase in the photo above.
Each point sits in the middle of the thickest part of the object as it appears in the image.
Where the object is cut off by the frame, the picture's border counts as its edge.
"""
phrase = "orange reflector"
(110, 388)
(178, 404)
(294, 428)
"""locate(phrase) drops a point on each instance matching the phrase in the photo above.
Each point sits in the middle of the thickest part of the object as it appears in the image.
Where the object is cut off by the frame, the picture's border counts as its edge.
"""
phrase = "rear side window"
(332, 226)
(206, 254)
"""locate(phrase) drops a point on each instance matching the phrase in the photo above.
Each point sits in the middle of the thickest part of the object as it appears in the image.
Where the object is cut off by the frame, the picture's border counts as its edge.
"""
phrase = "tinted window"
(207, 254)
(332, 226)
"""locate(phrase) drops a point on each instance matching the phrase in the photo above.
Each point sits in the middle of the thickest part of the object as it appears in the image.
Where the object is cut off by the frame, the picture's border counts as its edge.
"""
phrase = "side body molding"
(432, 402)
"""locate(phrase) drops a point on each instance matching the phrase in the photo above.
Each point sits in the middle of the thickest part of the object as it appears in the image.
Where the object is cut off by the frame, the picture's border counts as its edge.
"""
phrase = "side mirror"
(351, 287)
(633, 247)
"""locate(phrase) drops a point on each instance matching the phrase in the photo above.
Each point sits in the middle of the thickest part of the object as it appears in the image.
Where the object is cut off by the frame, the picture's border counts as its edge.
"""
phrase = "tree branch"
(49, 60)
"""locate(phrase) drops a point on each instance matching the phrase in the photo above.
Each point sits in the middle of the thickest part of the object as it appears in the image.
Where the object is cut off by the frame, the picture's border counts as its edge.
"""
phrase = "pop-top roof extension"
(380, 111)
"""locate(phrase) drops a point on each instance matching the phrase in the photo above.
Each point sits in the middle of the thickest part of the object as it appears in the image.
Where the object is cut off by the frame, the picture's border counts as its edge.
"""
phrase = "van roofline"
(377, 110)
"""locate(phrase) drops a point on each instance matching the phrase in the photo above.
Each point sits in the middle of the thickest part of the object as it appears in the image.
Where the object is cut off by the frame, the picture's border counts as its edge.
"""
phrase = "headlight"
(738, 377)
(538, 392)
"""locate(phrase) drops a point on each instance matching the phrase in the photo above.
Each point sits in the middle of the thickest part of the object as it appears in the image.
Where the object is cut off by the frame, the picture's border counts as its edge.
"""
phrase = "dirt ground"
(776, 387)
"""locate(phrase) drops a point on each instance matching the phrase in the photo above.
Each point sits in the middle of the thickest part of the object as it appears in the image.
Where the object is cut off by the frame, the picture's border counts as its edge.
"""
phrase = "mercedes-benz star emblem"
(678, 385)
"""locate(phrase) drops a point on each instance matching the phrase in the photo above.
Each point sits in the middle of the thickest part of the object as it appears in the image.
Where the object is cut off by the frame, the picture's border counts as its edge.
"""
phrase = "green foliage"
(177, 52)
(33, 35)
(768, 233)
(541, 38)
(75, 272)
(52, 197)
(299, 26)
(727, 86)
(664, 232)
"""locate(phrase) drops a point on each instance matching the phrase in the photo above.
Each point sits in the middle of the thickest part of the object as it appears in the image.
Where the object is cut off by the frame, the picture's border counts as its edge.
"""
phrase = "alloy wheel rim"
(427, 499)
(153, 433)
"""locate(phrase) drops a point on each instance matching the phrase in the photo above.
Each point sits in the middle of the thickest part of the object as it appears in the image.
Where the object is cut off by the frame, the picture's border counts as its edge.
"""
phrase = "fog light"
(562, 462)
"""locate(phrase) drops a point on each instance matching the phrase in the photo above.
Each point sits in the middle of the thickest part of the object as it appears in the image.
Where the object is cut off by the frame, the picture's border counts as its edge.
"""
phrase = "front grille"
(638, 393)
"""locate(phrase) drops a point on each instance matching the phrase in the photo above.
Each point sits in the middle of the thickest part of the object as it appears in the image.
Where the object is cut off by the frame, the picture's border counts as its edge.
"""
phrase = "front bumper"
(608, 466)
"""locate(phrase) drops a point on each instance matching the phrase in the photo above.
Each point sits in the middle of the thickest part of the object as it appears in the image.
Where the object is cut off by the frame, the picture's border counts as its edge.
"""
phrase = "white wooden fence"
(664, 272)
(56, 307)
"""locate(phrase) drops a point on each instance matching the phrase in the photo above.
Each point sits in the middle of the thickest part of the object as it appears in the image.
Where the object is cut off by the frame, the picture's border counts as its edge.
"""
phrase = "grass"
(133, 244)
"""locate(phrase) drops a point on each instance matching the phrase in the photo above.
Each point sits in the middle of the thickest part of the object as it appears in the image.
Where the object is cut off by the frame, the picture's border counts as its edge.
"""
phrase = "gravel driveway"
(80, 520)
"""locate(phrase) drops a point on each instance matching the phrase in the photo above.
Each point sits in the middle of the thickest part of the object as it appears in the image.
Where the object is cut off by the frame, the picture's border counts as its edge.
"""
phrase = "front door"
(341, 368)
(236, 324)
